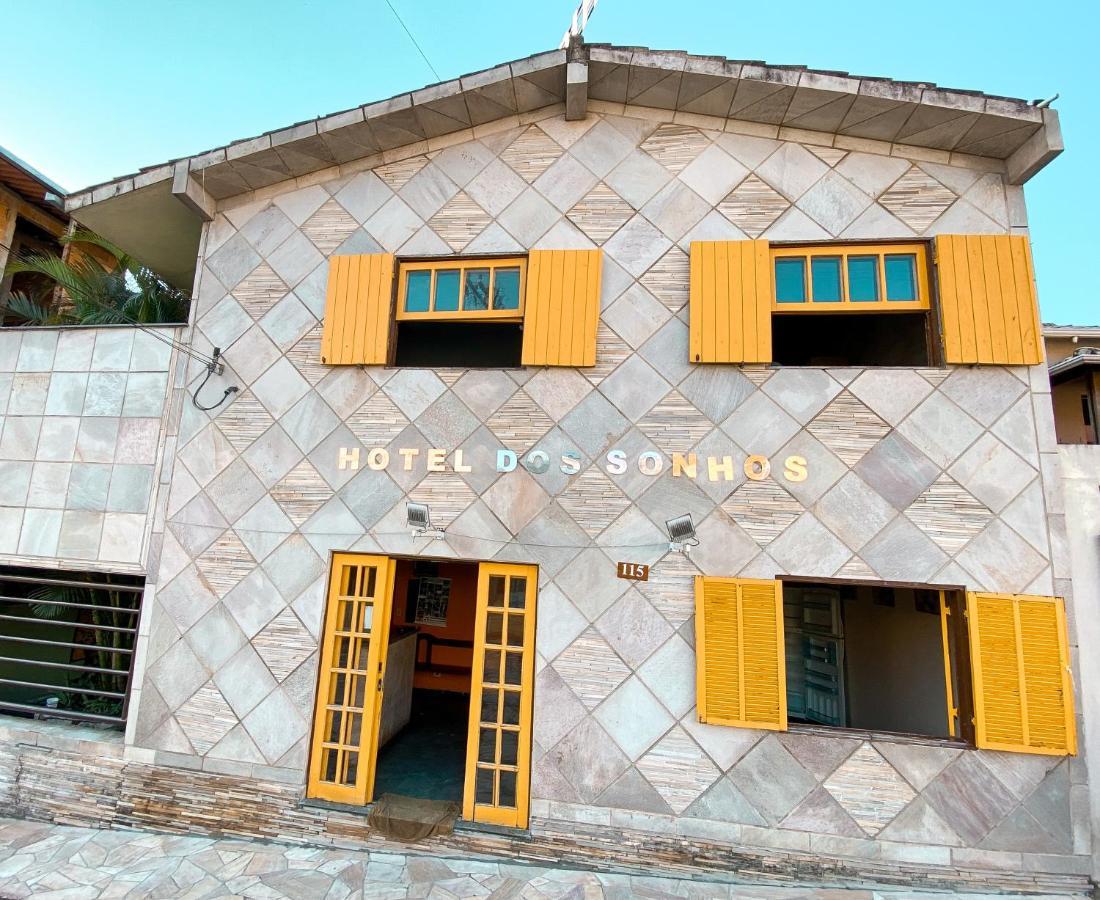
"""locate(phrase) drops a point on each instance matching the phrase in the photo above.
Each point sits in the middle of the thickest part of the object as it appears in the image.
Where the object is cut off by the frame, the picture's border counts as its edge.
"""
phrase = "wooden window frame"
(462, 264)
(844, 250)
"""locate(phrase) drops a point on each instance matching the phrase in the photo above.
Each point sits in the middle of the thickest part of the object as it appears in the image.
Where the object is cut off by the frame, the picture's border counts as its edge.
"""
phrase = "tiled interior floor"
(427, 758)
(51, 862)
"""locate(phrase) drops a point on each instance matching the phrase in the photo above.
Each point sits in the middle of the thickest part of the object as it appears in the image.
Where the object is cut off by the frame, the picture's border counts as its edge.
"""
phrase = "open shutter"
(1023, 694)
(741, 676)
(561, 308)
(730, 302)
(988, 309)
(358, 310)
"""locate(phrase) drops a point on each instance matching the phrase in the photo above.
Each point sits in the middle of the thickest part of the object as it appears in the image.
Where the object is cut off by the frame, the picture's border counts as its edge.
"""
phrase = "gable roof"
(131, 210)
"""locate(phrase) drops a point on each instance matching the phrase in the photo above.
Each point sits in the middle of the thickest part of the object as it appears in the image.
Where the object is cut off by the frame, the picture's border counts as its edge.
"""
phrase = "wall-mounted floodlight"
(419, 520)
(681, 533)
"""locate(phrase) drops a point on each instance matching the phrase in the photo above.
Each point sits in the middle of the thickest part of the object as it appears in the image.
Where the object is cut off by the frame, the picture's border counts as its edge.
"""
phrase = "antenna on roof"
(580, 20)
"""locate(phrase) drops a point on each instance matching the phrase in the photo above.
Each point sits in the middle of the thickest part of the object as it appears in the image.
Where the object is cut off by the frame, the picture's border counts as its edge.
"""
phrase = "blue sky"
(92, 95)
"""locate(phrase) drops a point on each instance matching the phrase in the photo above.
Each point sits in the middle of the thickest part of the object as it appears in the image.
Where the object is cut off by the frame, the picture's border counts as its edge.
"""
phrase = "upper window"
(850, 278)
(482, 298)
(462, 289)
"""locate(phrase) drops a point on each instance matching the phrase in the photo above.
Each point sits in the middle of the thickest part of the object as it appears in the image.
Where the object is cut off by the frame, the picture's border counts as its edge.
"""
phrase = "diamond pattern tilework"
(306, 356)
(244, 421)
(917, 199)
(459, 221)
(520, 422)
(593, 501)
(284, 644)
(377, 422)
(301, 492)
(260, 291)
(848, 428)
(678, 769)
(753, 206)
(329, 227)
(398, 174)
(668, 279)
(763, 509)
(674, 424)
(206, 718)
(671, 588)
(674, 146)
(532, 153)
(447, 495)
(600, 213)
(610, 351)
(949, 514)
(869, 789)
(591, 669)
(828, 155)
(224, 563)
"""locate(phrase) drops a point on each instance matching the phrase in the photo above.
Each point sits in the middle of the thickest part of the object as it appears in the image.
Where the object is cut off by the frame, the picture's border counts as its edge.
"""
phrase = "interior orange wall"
(460, 613)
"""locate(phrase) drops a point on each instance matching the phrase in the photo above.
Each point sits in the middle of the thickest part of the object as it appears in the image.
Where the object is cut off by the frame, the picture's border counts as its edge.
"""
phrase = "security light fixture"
(419, 520)
(681, 533)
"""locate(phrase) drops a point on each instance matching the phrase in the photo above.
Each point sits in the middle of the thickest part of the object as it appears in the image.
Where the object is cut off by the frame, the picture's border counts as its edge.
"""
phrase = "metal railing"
(67, 643)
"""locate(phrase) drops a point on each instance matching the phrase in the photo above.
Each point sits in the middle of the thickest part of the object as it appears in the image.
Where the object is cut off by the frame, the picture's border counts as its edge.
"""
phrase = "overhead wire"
(424, 55)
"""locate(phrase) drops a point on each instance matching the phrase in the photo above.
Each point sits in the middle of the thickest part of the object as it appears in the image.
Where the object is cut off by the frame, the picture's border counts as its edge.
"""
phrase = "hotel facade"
(650, 454)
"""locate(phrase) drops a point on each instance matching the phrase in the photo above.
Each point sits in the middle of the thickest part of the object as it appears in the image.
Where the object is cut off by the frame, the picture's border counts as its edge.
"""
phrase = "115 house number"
(632, 571)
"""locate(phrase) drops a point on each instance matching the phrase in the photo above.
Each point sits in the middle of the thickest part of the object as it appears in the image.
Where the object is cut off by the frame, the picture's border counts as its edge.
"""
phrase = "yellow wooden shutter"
(730, 302)
(561, 308)
(358, 310)
(741, 676)
(1023, 693)
(988, 308)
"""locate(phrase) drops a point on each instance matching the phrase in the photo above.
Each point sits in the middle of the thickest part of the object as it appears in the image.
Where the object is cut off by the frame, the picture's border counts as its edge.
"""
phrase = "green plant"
(100, 295)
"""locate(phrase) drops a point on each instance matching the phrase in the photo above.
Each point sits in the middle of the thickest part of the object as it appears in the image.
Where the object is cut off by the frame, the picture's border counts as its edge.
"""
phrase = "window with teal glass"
(790, 279)
(506, 289)
(825, 272)
(477, 289)
(863, 279)
(447, 283)
(418, 292)
(901, 276)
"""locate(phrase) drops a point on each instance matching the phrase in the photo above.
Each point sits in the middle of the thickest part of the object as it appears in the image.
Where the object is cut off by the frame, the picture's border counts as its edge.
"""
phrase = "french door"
(349, 690)
(352, 672)
(498, 753)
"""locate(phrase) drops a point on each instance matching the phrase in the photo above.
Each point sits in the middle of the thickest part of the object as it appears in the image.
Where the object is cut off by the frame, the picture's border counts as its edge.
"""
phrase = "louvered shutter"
(1023, 693)
(561, 308)
(988, 308)
(358, 310)
(730, 302)
(741, 674)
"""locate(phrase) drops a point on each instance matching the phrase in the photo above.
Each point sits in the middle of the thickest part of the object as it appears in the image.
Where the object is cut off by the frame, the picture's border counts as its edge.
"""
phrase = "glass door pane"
(498, 761)
(351, 672)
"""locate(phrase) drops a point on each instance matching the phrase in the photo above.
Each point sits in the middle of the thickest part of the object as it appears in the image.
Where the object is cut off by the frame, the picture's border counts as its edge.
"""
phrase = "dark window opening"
(851, 339)
(468, 345)
(873, 658)
(67, 643)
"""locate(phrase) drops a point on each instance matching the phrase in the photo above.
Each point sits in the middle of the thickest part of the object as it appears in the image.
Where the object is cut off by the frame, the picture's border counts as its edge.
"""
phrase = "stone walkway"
(51, 862)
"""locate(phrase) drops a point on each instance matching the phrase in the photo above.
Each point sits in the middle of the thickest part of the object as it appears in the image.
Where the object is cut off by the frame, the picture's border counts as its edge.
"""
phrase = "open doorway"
(426, 701)
(876, 657)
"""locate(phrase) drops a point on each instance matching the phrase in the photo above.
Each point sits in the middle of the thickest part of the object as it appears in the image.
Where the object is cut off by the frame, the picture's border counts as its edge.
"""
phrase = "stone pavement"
(52, 862)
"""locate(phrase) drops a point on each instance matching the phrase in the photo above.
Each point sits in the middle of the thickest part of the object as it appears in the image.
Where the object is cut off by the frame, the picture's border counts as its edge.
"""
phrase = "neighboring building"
(1073, 354)
(651, 450)
(32, 219)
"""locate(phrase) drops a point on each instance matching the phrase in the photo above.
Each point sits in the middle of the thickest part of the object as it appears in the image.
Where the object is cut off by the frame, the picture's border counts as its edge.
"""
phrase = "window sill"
(893, 737)
(462, 826)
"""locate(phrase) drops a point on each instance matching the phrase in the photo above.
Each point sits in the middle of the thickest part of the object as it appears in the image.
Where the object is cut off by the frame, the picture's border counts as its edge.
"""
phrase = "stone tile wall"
(81, 445)
(929, 475)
